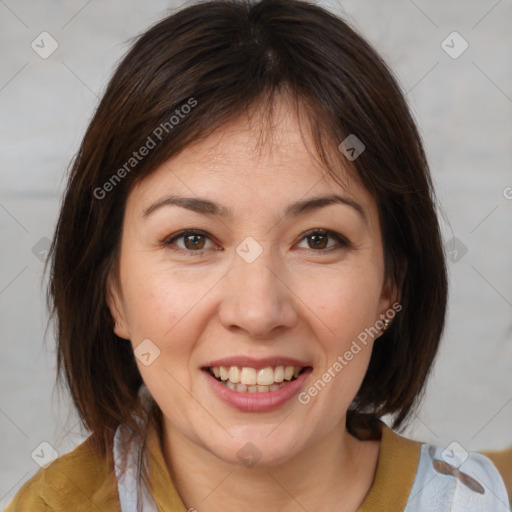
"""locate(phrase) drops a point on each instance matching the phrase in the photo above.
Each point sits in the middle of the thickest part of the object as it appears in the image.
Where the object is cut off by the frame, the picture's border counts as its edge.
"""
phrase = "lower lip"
(257, 402)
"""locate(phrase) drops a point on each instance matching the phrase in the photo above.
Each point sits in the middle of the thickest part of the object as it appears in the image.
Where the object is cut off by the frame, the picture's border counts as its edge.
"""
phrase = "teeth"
(224, 373)
(249, 380)
(288, 372)
(248, 376)
(266, 377)
(234, 374)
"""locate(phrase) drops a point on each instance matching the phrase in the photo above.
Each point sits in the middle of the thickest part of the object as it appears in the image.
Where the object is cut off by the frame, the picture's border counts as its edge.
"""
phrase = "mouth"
(246, 379)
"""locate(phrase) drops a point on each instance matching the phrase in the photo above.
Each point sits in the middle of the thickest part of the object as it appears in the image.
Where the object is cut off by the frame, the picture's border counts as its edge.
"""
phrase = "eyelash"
(342, 241)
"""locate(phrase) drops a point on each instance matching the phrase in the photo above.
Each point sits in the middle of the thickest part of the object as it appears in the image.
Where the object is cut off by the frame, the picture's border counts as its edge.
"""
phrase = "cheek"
(159, 308)
(159, 299)
(345, 302)
(340, 312)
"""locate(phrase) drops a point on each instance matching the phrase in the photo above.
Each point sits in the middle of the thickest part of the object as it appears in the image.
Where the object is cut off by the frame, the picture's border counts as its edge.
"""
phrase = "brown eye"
(318, 239)
(192, 241)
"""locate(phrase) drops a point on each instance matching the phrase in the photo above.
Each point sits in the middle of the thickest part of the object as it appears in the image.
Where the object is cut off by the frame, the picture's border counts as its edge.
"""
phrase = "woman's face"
(250, 289)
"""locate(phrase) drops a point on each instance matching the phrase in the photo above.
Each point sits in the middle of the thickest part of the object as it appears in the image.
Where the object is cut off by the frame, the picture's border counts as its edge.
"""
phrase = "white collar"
(133, 496)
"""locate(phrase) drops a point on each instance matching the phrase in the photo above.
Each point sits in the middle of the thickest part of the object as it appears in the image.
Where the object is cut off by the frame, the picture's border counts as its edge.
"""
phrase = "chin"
(254, 451)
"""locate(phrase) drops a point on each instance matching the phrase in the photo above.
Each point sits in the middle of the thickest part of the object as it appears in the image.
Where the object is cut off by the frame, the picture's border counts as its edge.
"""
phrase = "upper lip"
(257, 363)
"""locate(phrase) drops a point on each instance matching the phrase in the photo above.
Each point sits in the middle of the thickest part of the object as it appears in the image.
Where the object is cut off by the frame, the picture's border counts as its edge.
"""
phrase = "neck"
(335, 473)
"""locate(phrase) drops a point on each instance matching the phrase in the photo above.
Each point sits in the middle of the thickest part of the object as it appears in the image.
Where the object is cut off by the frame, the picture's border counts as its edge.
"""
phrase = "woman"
(247, 274)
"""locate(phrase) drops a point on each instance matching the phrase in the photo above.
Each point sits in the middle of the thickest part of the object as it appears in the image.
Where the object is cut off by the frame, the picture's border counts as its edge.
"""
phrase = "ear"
(115, 305)
(391, 289)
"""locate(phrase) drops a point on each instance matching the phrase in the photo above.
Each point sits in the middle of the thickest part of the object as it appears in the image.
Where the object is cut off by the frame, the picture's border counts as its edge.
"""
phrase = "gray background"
(463, 107)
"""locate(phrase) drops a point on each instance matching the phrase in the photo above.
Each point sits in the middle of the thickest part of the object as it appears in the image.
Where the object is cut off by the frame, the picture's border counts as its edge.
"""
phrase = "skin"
(294, 300)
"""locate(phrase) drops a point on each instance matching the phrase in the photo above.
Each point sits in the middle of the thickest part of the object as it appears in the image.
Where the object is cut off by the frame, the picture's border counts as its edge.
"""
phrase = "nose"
(257, 298)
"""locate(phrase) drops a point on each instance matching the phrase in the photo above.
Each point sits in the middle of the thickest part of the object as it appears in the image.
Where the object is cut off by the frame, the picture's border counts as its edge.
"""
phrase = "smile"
(252, 384)
(246, 379)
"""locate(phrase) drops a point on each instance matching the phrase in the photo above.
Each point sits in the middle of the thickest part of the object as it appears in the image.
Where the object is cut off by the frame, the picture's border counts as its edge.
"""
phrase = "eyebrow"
(211, 208)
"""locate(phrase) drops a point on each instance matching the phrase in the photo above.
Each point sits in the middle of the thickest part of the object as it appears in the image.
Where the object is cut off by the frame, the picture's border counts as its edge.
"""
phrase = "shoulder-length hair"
(189, 74)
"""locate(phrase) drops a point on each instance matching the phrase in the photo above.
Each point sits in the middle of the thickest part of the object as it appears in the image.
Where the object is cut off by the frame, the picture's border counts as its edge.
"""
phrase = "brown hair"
(221, 58)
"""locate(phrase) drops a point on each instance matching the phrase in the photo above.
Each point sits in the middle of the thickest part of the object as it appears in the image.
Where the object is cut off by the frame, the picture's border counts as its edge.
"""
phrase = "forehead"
(268, 160)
